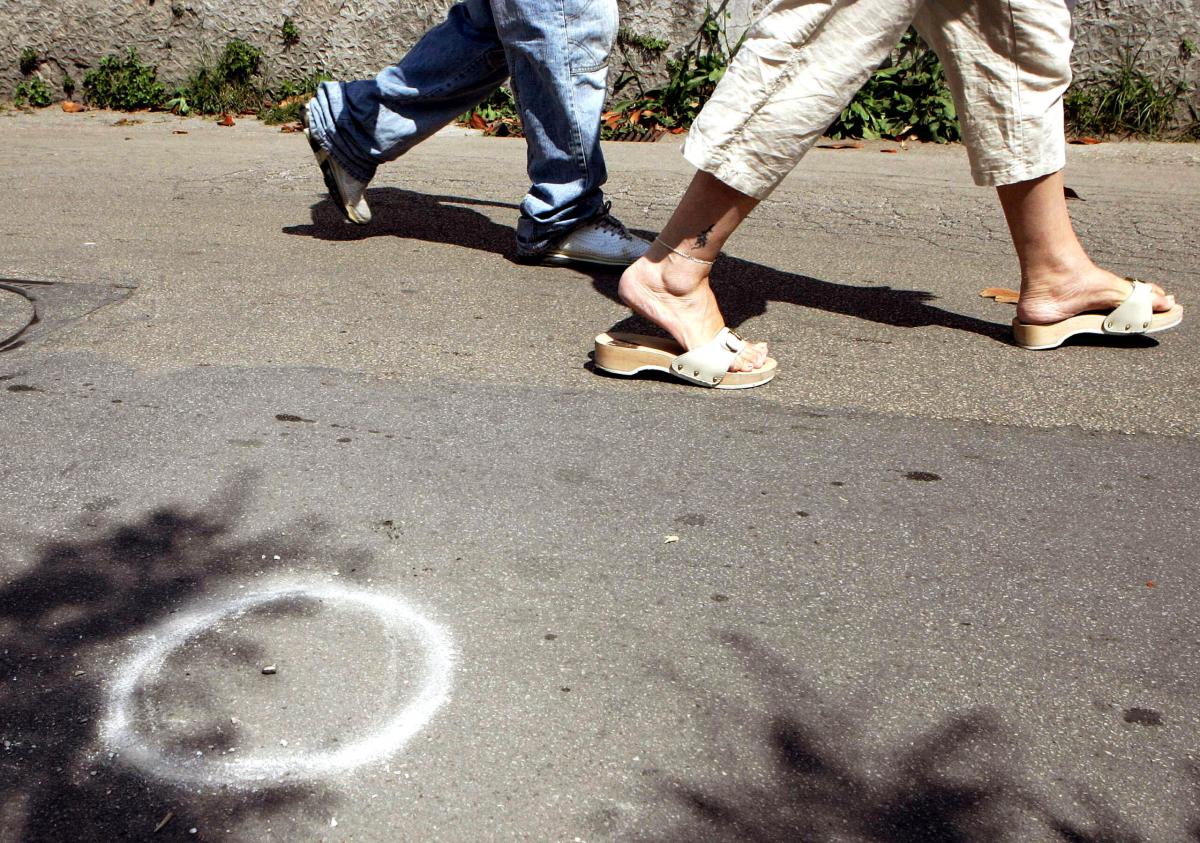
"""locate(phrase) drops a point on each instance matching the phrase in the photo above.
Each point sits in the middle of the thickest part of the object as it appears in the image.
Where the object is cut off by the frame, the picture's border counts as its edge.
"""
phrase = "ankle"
(664, 271)
(1066, 281)
(1055, 265)
(681, 276)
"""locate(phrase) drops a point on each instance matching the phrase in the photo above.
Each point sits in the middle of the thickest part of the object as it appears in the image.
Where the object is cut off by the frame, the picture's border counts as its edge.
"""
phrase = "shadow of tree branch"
(80, 594)
(958, 782)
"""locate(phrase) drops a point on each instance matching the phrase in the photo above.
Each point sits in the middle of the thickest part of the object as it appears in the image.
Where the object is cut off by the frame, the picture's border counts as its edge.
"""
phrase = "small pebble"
(269, 670)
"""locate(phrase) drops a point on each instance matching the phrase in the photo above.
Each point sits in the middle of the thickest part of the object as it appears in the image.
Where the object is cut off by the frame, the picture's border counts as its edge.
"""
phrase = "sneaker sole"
(560, 259)
(330, 182)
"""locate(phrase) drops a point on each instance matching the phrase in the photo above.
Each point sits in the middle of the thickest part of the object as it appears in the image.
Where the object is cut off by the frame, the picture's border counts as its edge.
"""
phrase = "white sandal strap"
(707, 364)
(1133, 315)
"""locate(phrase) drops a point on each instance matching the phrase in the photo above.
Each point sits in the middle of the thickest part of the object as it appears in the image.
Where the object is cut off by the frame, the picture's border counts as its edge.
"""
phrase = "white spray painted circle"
(118, 732)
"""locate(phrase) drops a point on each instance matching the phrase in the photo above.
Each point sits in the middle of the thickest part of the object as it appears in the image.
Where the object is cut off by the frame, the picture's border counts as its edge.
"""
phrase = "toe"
(1162, 301)
(752, 357)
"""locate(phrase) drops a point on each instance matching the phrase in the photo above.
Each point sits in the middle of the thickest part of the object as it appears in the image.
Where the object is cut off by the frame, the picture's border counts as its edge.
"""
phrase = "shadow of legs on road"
(744, 289)
(415, 216)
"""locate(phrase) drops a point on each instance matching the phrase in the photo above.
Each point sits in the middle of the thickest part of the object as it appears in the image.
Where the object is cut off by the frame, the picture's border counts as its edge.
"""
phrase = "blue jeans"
(556, 52)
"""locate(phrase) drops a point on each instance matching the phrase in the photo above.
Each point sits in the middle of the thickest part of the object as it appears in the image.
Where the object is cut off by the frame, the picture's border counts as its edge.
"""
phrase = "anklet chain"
(684, 255)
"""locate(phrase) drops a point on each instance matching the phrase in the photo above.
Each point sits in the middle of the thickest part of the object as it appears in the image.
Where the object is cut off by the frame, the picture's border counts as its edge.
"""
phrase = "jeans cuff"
(319, 126)
(534, 247)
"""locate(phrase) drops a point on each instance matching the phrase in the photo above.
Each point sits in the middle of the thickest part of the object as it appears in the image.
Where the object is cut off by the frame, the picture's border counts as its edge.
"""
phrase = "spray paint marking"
(120, 734)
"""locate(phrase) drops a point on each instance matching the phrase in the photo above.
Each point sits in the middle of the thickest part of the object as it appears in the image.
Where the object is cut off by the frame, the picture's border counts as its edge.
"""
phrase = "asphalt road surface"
(317, 532)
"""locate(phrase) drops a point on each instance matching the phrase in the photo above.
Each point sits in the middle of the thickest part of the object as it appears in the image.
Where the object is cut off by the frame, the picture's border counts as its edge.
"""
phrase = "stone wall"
(350, 38)
(347, 38)
(1158, 30)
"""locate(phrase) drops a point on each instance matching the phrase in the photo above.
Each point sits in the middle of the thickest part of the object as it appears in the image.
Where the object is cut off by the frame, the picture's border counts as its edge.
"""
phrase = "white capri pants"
(1007, 63)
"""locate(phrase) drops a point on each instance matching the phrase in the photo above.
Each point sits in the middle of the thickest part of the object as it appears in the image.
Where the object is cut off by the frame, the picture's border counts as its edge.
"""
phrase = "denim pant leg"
(558, 57)
(455, 65)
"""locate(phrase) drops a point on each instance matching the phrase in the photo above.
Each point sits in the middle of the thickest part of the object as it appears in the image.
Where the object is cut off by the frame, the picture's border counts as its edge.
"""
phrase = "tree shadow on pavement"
(813, 779)
(88, 593)
(743, 287)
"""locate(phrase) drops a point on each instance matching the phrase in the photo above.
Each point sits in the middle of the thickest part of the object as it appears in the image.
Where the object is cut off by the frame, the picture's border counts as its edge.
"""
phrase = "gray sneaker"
(604, 240)
(347, 192)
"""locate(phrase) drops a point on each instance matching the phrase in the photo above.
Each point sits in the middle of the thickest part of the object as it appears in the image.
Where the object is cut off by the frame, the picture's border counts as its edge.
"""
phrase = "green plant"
(692, 75)
(290, 97)
(28, 60)
(1126, 100)
(1187, 49)
(291, 34)
(497, 115)
(645, 43)
(178, 104)
(68, 85)
(303, 87)
(123, 83)
(225, 83)
(33, 92)
(232, 82)
(907, 97)
(239, 61)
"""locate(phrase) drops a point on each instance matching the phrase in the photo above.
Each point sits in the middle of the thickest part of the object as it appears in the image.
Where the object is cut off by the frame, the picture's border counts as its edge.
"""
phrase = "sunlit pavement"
(923, 586)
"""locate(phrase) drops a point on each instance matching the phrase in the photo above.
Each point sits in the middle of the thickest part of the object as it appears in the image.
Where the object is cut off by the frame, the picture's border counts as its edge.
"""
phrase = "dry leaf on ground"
(73, 107)
(1085, 141)
(841, 145)
(227, 120)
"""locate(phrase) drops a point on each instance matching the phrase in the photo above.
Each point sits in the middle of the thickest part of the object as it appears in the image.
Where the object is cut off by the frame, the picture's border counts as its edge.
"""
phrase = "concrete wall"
(356, 37)
(1156, 28)
(348, 38)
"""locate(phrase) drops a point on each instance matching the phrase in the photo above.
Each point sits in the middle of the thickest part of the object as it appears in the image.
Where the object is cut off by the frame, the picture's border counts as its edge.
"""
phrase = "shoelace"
(611, 223)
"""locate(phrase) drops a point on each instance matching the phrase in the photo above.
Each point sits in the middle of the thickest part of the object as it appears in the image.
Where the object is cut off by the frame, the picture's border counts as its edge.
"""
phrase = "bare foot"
(674, 294)
(1057, 296)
